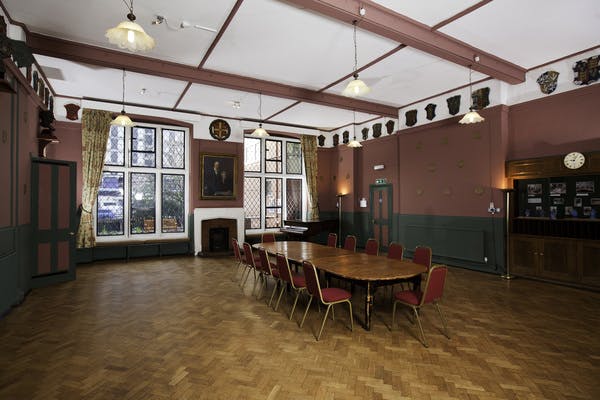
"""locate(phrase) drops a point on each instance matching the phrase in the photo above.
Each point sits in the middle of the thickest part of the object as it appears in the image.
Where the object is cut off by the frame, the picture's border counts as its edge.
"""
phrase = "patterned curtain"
(309, 152)
(95, 129)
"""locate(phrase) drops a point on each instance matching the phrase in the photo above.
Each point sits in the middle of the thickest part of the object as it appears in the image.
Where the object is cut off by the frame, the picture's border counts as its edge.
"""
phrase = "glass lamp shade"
(356, 88)
(122, 120)
(354, 143)
(472, 117)
(131, 36)
(259, 132)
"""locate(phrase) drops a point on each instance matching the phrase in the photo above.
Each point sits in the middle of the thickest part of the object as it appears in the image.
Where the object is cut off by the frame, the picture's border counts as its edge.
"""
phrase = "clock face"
(574, 160)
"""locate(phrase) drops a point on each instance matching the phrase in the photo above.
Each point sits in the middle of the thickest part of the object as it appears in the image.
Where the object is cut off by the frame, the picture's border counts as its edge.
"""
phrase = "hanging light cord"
(470, 88)
(260, 107)
(355, 48)
(354, 124)
(123, 98)
(129, 6)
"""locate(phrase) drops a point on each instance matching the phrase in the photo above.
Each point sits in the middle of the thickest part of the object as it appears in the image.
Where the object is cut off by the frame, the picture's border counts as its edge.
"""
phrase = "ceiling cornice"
(60, 48)
(387, 23)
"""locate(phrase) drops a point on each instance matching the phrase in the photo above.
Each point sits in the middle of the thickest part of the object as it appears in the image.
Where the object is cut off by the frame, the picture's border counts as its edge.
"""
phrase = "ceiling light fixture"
(129, 35)
(472, 117)
(260, 131)
(354, 143)
(355, 87)
(122, 119)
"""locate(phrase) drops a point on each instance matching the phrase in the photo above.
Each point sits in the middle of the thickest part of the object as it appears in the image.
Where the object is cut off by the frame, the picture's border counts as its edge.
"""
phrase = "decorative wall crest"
(430, 110)
(453, 104)
(365, 133)
(547, 81)
(411, 117)
(586, 71)
(336, 139)
(321, 140)
(481, 98)
(72, 111)
(345, 137)
(376, 130)
(390, 126)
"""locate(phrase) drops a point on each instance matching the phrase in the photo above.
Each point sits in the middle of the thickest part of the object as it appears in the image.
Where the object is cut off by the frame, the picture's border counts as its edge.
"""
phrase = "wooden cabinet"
(557, 259)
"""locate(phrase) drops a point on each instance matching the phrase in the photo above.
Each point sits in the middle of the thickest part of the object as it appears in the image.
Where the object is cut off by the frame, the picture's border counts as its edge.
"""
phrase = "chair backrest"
(265, 265)
(372, 247)
(395, 251)
(434, 287)
(284, 268)
(422, 256)
(236, 250)
(312, 279)
(248, 256)
(267, 237)
(350, 243)
(332, 240)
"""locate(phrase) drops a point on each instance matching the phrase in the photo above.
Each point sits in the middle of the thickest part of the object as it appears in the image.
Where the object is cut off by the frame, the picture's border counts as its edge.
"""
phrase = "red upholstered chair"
(328, 296)
(332, 240)
(286, 275)
(267, 237)
(252, 264)
(395, 251)
(350, 243)
(415, 299)
(372, 247)
(422, 255)
(267, 269)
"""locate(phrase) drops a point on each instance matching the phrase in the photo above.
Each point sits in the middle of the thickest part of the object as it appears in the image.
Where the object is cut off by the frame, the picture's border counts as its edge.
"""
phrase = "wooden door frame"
(390, 220)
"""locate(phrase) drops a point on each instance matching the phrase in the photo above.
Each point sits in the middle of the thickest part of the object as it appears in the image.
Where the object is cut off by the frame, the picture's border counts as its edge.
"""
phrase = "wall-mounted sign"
(380, 181)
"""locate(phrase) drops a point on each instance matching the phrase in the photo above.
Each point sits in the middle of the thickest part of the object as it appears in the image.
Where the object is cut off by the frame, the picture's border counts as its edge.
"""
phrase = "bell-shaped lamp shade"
(354, 143)
(472, 117)
(129, 35)
(355, 88)
(259, 132)
(122, 120)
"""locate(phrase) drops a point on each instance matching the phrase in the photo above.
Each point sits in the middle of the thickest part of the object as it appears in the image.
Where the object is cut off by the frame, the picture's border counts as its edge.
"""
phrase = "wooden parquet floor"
(180, 328)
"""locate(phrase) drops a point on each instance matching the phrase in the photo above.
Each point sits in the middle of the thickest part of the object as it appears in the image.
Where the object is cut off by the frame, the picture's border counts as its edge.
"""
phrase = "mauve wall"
(5, 160)
(557, 124)
(201, 146)
(69, 149)
(325, 178)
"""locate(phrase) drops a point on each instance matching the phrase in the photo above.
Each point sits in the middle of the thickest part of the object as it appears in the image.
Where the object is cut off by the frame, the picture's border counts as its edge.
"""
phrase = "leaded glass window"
(173, 148)
(273, 195)
(293, 198)
(293, 158)
(173, 203)
(273, 158)
(143, 147)
(252, 147)
(109, 208)
(143, 203)
(115, 147)
(252, 208)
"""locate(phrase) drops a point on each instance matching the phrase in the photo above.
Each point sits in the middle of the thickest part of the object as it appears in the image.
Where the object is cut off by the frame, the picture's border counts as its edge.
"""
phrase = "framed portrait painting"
(218, 176)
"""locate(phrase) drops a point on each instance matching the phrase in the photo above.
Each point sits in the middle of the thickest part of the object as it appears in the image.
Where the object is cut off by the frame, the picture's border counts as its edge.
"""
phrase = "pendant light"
(472, 117)
(123, 119)
(129, 35)
(354, 143)
(356, 87)
(260, 131)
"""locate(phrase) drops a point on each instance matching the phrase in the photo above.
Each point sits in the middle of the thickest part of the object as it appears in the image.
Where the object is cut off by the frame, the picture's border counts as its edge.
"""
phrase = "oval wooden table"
(370, 271)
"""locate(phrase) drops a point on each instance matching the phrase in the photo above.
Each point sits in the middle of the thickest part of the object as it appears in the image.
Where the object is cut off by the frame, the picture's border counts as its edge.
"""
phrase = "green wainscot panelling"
(469, 242)
(9, 278)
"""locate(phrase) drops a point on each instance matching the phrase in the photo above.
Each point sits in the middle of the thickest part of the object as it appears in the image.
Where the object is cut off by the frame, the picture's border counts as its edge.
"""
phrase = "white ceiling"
(275, 41)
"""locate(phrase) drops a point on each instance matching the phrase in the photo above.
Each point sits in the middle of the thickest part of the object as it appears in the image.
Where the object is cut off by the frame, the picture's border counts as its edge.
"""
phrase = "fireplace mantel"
(202, 214)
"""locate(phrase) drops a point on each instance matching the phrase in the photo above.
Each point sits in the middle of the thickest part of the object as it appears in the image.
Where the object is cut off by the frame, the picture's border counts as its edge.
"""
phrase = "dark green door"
(54, 220)
(381, 213)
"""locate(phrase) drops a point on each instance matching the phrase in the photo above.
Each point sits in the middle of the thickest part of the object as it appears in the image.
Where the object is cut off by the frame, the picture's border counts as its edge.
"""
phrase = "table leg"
(368, 306)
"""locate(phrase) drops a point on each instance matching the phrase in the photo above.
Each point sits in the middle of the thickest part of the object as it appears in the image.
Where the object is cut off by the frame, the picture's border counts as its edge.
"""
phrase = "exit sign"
(380, 181)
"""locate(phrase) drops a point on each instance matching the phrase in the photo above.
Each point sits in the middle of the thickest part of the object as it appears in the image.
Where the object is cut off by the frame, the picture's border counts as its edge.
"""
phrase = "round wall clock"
(219, 129)
(574, 160)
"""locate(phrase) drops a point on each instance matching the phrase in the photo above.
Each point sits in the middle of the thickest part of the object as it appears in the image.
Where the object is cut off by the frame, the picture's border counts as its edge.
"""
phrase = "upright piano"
(305, 230)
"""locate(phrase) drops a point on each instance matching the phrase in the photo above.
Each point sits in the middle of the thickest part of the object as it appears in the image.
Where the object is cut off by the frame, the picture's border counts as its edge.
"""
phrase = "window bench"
(134, 249)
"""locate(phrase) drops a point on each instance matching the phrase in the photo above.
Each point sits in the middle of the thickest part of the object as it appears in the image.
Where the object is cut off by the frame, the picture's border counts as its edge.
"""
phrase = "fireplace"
(216, 236)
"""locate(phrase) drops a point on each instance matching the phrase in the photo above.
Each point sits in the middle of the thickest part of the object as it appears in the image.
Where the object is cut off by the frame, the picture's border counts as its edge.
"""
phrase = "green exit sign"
(380, 181)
